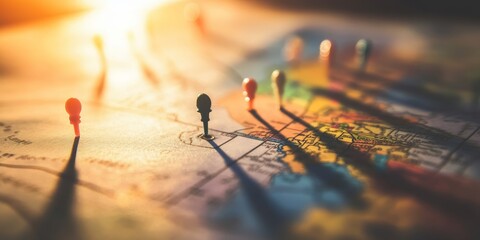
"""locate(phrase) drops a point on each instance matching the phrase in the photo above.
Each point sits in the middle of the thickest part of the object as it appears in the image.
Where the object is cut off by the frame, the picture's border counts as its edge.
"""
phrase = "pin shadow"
(429, 100)
(398, 181)
(433, 134)
(411, 98)
(58, 220)
(270, 215)
(316, 169)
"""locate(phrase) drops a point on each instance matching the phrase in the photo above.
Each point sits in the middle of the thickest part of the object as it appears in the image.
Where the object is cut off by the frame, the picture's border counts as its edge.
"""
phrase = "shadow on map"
(410, 183)
(58, 220)
(326, 173)
(402, 93)
(435, 135)
(270, 215)
(409, 87)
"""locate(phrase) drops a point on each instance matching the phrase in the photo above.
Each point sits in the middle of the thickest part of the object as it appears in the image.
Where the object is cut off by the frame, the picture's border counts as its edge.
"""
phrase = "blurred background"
(14, 11)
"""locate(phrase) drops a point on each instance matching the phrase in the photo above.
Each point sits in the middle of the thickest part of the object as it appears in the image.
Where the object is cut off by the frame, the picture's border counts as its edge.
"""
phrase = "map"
(388, 153)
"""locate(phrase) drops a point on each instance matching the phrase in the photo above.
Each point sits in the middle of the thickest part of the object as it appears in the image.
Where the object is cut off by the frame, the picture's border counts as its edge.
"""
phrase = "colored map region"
(330, 150)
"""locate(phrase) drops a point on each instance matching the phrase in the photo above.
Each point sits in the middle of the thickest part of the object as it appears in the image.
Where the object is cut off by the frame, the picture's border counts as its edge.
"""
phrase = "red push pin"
(249, 89)
(73, 107)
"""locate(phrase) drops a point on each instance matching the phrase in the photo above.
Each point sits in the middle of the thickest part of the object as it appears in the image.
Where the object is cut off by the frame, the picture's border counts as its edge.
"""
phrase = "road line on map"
(175, 199)
(227, 141)
(447, 158)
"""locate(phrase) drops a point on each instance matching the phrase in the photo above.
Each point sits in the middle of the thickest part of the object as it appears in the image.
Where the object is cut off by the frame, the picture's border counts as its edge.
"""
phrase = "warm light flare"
(121, 15)
(117, 23)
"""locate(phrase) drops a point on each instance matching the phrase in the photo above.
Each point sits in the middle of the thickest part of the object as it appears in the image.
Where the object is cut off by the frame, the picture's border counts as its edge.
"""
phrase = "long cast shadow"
(433, 134)
(317, 169)
(267, 211)
(440, 100)
(58, 220)
(466, 210)
(409, 88)
(415, 98)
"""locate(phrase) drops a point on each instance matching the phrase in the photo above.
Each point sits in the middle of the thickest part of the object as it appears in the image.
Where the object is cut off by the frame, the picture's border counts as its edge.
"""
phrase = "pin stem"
(205, 128)
(77, 129)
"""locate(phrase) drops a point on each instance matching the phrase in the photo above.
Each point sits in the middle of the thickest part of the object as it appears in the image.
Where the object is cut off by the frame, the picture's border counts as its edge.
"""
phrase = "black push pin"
(203, 107)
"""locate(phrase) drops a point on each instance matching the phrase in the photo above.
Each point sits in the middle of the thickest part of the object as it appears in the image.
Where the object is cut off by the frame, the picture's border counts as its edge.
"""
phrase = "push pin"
(326, 55)
(249, 89)
(326, 51)
(74, 107)
(363, 49)
(193, 13)
(293, 50)
(278, 85)
(204, 105)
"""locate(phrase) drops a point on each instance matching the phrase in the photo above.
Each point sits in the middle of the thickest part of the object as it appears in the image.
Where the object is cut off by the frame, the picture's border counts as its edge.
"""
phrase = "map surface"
(350, 156)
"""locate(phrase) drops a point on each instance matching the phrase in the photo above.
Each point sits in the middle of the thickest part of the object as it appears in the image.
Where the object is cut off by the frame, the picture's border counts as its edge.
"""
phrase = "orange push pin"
(193, 13)
(73, 107)
(249, 89)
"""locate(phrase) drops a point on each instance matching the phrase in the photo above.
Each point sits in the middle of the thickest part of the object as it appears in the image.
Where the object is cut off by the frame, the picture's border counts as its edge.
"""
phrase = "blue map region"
(260, 210)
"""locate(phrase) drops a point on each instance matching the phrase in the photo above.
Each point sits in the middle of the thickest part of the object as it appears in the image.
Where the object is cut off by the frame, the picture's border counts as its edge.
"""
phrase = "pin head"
(278, 85)
(73, 107)
(293, 49)
(363, 47)
(278, 81)
(326, 50)
(204, 103)
(249, 88)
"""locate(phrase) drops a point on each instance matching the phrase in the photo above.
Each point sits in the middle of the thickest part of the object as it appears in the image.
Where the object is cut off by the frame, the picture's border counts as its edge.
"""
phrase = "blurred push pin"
(326, 55)
(193, 13)
(363, 49)
(99, 45)
(326, 51)
(293, 50)
(204, 105)
(98, 41)
(249, 89)
(278, 85)
(74, 107)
